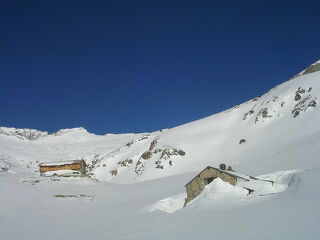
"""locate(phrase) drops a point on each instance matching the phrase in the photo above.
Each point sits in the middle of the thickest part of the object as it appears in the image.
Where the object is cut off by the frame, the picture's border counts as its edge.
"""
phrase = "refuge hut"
(206, 176)
(66, 168)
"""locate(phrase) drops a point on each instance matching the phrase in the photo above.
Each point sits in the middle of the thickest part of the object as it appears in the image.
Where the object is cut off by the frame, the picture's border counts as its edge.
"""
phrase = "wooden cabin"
(206, 176)
(66, 168)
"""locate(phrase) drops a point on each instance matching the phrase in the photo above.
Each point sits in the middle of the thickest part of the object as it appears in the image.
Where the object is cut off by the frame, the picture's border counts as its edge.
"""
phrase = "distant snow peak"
(24, 134)
(70, 130)
(33, 134)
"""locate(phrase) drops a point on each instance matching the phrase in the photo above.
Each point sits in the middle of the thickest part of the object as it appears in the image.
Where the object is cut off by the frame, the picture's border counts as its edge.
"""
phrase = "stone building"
(67, 168)
(206, 176)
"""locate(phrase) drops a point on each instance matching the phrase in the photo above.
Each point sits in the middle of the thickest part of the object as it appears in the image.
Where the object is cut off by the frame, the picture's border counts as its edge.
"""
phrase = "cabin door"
(209, 180)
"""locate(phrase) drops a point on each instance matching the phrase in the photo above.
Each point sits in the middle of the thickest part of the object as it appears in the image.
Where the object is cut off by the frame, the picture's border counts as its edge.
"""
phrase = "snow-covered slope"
(276, 131)
(276, 136)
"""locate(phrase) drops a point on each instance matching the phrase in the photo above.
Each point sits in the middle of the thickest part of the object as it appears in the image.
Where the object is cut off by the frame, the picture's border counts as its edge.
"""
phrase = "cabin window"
(209, 180)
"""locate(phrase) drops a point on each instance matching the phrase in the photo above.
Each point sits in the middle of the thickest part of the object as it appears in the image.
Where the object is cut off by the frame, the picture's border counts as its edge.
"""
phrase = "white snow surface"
(31, 210)
(238, 174)
(136, 184)
(220, 193)
(61, 173)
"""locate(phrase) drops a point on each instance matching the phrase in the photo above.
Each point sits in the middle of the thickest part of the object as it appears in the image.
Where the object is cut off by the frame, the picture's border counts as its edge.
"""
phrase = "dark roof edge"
(215, 169)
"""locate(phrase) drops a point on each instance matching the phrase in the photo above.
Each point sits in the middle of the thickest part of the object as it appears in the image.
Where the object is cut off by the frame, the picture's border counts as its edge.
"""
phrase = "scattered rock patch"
(114, 172)
(125, 163)
(263, 114)
(303, 105)
(139, 168)
(299, 94)
(88, 197)
(246, 115)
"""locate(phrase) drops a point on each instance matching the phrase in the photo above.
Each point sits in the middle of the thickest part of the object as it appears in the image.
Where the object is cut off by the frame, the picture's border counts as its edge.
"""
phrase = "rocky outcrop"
(303, 105)
(125, 163)
(311, 69)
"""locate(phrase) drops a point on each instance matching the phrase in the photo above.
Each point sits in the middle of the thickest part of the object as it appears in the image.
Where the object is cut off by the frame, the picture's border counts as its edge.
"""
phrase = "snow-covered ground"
(136, 184)
(81, 208)
(218, 192)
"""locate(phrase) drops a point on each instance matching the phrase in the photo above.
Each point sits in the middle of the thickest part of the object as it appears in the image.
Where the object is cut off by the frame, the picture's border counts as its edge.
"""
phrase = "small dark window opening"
(209, 180)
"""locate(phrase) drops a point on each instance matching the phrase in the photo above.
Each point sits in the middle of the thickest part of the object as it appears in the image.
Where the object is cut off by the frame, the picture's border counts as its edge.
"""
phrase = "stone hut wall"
(196, 185)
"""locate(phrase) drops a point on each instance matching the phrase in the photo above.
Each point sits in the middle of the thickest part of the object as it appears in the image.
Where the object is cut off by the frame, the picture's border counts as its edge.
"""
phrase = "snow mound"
(170, 204)
(62, 173)
(272, 183)
(220, 194)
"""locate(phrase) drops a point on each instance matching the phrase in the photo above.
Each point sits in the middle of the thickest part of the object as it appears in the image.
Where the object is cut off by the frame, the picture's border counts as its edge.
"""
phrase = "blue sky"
(136, 66)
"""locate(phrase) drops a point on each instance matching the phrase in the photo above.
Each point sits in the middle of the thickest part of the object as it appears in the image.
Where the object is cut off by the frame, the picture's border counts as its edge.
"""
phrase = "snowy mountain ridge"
(312, 68)
(274, 138)
(262, 135)
(25, 133)
(34, 134)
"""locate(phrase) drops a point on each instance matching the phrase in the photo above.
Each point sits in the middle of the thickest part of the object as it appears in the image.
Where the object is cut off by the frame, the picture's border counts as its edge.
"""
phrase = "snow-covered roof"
(233, 173)
(61, 163)
(237, 174)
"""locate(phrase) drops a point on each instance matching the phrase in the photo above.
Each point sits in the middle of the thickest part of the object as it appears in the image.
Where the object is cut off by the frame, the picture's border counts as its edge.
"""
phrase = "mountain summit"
(312, 68)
